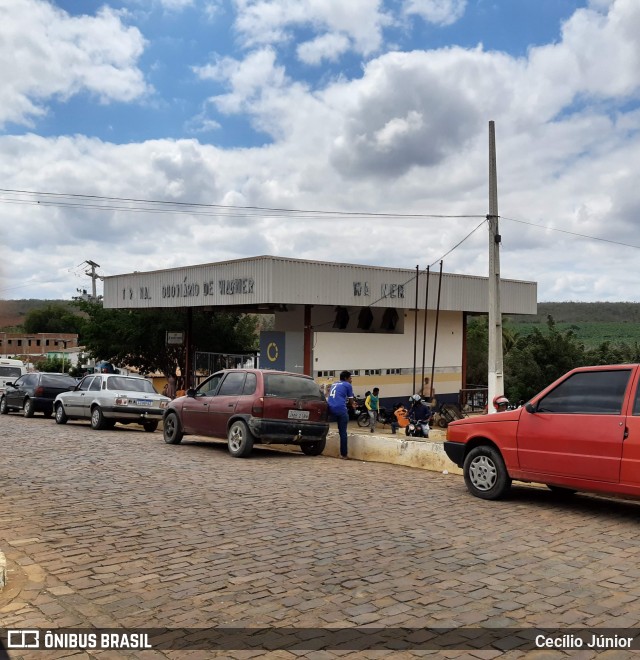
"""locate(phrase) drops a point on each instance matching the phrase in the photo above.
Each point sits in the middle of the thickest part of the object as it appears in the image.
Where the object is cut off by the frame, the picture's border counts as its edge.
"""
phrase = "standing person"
(340, 395)
(171, 386)
(372, 403)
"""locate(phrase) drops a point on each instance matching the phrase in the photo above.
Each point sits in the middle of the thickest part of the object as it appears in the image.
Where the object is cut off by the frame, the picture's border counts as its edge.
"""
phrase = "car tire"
(28, 409)
(4, 408)
(485, 473)
(61, 415)
(98, 421)
(151, 426)
(313, 448)
(239, 439)
(171, 430)
(364, 419)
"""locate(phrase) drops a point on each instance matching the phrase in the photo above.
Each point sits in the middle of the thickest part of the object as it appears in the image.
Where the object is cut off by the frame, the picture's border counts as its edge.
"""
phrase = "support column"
(308, 342)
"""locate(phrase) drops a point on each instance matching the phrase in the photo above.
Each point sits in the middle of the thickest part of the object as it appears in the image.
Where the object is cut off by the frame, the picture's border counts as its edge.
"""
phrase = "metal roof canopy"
(263, 283)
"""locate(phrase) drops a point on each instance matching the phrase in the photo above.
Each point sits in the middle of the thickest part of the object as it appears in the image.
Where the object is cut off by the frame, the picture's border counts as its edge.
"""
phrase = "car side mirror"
(530, 408)
(11, 384)
(191, 392)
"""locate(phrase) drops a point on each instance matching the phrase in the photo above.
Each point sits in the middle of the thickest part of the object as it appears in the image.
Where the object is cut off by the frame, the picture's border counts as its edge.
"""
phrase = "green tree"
(53, 365)
(56, 318)
(540, 358)
(137, 338)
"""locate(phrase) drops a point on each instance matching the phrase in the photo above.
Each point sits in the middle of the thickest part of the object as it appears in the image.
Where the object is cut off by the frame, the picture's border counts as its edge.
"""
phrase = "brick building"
(26, 346)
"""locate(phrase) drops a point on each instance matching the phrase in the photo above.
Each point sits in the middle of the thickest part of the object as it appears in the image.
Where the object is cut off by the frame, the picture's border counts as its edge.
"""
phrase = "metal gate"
(205, 364)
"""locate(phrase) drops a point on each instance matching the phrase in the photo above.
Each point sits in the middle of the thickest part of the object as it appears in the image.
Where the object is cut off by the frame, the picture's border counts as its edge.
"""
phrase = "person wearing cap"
(500, 403)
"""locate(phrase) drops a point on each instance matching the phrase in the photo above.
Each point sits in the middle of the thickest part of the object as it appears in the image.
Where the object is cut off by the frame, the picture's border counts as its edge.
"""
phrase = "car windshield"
(130, 384)
(12, 372)
(291, 387)
(58, 380)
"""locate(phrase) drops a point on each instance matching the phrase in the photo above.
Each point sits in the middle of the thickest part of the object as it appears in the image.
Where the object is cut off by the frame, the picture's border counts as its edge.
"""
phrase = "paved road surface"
(115, 529)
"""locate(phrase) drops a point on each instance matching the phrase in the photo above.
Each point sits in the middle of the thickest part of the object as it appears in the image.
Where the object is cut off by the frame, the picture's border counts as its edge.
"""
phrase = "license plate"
(298, 414)
(143, 402)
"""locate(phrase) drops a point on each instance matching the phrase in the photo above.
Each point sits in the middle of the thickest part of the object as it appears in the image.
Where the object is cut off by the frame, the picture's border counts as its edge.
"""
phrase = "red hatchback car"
(248, 406)
(582, 433)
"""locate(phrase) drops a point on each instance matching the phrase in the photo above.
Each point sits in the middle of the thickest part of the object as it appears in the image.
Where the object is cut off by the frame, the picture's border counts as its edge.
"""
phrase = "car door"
(16, 394)
(577, 429)
(224, 403)
(195, 409)
(73, 402)
(630, 469)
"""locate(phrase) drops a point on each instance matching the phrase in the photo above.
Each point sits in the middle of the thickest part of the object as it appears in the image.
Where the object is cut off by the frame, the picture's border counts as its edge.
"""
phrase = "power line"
(104, 203)
(570, 233)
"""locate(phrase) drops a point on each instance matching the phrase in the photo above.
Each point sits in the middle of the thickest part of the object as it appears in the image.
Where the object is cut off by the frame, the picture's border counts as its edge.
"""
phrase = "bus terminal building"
(329, 317)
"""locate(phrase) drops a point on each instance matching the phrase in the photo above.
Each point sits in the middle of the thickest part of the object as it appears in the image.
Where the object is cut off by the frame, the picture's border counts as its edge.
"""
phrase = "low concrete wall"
(424, 454)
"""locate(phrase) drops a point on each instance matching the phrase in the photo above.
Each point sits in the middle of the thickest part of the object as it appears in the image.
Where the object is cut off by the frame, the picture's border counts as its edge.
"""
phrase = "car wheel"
(171, 430)
(61, 415)
(240, 439)
(28, 408)
(561, 491)
(442, 422)
(4, 408)
(485, 473)
(313, 448)
(151, 426)
(364, 419)
(97, 419)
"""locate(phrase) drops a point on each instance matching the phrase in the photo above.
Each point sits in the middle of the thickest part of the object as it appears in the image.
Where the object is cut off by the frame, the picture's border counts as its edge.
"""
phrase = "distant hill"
(593, 323)
(12, 312)
(572, 312)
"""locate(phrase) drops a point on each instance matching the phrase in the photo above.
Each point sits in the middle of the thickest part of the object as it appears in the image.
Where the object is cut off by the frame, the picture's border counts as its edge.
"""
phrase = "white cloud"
(46, 53)
(409, 135)
(328, 46)
(439, 12)
(262, 22)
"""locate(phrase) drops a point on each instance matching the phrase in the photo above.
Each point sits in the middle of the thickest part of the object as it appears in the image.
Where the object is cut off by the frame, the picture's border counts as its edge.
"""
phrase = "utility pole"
(93, 276)
(496, 380)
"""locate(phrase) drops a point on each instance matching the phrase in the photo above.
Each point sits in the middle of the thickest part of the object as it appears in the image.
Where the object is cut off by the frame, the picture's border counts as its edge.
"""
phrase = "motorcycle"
(417, 429)
(384, 417)
(358, 410)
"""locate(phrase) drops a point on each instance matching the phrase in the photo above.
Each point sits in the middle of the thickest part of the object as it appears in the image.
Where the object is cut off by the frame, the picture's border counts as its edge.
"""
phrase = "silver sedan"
(109, 398)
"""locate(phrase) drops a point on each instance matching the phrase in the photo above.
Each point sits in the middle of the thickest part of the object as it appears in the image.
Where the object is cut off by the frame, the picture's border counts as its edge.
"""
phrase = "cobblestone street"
(116, 529)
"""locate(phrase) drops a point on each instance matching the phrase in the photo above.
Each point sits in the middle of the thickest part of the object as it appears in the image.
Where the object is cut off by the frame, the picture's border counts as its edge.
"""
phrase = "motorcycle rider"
(500, 403)
(420, 413)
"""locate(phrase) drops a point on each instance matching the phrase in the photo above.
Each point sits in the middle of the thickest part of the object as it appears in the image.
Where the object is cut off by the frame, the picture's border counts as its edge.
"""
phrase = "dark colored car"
(35, 392)
(248, 406)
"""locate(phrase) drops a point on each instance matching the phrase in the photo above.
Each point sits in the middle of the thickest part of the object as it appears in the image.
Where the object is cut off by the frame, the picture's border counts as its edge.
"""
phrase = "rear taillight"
(258, 407)
(39, 391)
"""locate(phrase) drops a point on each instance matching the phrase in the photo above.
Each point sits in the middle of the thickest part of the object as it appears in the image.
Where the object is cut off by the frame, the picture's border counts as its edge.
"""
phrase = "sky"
(149, 134)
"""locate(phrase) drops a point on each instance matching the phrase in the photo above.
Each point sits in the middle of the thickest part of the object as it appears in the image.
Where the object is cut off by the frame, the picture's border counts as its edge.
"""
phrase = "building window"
(38, 342)
(19, 342)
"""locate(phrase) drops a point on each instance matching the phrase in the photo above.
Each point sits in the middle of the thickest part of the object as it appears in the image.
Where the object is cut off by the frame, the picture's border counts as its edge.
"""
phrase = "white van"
(10, 370)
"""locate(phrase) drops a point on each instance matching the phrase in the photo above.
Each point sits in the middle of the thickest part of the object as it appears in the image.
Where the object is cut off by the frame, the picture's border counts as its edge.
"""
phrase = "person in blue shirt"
(341, 395)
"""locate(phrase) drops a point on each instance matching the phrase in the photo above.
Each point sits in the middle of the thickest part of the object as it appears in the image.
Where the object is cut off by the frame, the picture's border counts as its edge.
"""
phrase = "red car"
(582, 433)
(248, 406)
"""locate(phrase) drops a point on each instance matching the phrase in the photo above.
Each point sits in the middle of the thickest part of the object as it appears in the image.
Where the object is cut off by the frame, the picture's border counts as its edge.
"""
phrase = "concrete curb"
(424, 454)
